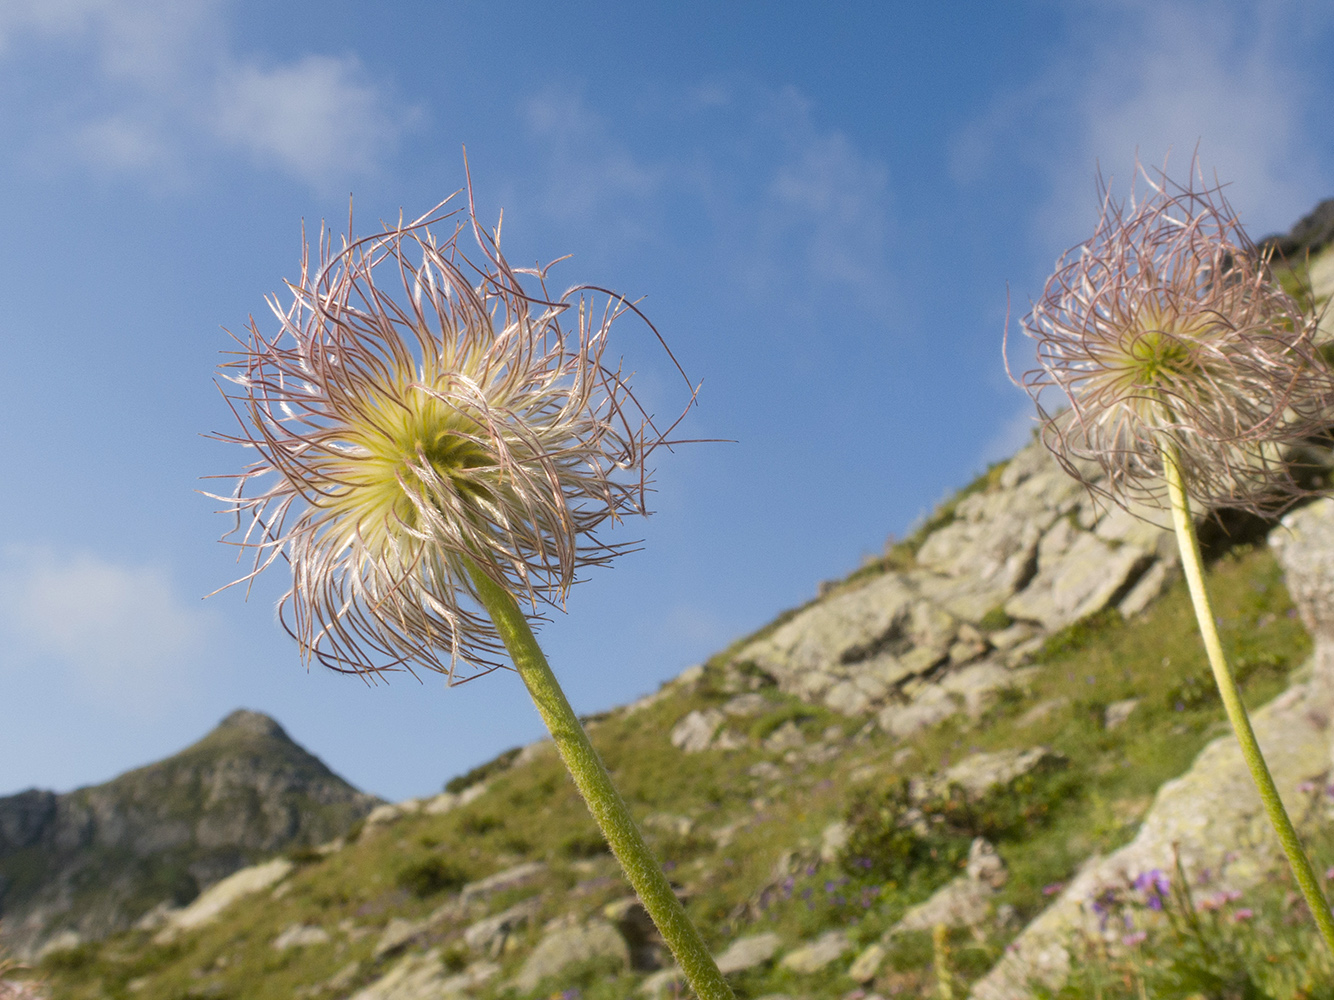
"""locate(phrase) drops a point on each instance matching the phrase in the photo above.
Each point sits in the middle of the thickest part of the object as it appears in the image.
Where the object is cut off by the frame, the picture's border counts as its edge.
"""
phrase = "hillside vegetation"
(741, 829)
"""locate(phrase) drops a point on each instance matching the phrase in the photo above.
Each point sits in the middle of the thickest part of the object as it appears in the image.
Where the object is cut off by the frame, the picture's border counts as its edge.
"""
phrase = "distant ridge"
(90, 862)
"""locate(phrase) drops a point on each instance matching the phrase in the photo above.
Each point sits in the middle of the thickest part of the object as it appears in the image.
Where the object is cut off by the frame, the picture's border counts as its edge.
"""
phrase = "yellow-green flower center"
(406, 448)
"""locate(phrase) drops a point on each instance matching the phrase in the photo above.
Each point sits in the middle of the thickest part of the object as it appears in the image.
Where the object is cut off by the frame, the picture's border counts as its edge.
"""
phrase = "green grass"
(743, 825)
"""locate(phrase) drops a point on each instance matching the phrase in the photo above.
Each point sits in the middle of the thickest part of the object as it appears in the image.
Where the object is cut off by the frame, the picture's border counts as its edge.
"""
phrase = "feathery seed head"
(412, 428)
(1168, 328)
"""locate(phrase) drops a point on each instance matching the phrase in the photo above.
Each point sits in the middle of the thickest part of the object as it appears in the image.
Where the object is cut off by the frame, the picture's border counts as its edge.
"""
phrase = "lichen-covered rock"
(1210, 809)
(1304, 544)
(425, 977)
(301, 936)
(1078, 574)
(865, 966)
(748, 952)
(210, 903)
(1119, 712)
(488, 937)
(696, 730)
(828, 947)
(850, 649)
(647, 948)
(510, 878)
(967, 901)
(979, 773)
(994, 535)
(928, 706)
(566, 945)
(833, 839)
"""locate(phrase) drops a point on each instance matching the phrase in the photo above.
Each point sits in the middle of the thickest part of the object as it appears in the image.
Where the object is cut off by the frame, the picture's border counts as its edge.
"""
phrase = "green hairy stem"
(1189, 544)
(604, 802)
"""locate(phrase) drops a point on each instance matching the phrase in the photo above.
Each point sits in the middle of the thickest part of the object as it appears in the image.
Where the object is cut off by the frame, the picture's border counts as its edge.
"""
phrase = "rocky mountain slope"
(924, 782)
(86, 863)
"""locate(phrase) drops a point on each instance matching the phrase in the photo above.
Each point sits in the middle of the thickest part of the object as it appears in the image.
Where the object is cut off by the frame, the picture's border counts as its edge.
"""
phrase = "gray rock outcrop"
(1214, 803)
(564, 946)
(1025, 555)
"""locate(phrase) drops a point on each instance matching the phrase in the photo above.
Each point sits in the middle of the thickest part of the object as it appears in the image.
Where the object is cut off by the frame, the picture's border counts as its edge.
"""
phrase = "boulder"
(695, 731)
(930, 705)
(850, 649)
(210, 903)
(300, 936)
(1304, 545)
(647, 949)
(1119, 712)
(424, 977)
(488, 936)
(566, 945)
(1078, 575)
(748, 952)
(979, 773)
(510, 878)
(994, 535)
(967, 901)
(865, 966)
(833, 839)
(828, 947)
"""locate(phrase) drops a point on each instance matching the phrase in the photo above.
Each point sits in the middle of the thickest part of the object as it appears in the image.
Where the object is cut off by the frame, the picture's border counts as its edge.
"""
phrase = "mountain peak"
(252, 723)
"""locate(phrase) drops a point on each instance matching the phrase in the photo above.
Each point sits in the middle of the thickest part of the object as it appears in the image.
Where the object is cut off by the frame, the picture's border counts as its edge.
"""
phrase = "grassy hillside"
(740, 830)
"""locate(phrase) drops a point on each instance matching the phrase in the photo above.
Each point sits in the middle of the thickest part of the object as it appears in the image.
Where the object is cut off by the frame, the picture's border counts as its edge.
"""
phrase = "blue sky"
(822, 206)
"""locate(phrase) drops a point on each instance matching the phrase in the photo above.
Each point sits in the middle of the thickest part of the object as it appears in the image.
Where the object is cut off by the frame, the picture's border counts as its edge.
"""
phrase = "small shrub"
(995, 620)
(892, 837)
(304, 855)
(432, 876)
(582, 844)
(887, 845)
(76, 959)
(478, 824)
(764, 726)
(1192, 692)
(1077, 636)
(482, 771)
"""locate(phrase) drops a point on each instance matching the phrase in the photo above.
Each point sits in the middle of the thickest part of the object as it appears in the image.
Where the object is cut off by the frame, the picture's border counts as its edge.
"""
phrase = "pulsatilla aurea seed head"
(1167, 328)
(420, 415)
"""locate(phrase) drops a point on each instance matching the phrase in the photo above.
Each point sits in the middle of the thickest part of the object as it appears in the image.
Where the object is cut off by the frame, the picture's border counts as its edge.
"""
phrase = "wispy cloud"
(158, 90)
(828, 201)
(1158, 76)
(319, 118)
(587, 170)
(115, 631)
(818, 222)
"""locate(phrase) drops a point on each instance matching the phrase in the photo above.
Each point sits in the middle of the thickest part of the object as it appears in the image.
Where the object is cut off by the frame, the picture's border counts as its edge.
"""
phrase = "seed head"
(418, 413)
(1168, 328)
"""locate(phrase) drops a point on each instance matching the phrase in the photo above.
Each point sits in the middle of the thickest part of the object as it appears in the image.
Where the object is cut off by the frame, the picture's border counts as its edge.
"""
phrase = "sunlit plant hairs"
(439, 440)
(461, 416)
(1167, 327)
(1190, 374)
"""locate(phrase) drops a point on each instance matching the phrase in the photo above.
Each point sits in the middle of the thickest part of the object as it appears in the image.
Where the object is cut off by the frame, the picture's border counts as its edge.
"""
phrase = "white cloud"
(319, 118)
(120, 144)
(157, 86)
(587, 171)
(116, 631)
(827, 199)
(1155, 77)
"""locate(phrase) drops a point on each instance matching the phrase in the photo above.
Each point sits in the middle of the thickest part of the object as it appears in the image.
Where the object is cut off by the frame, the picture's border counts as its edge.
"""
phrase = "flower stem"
(1189, 544)
(604, 802)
